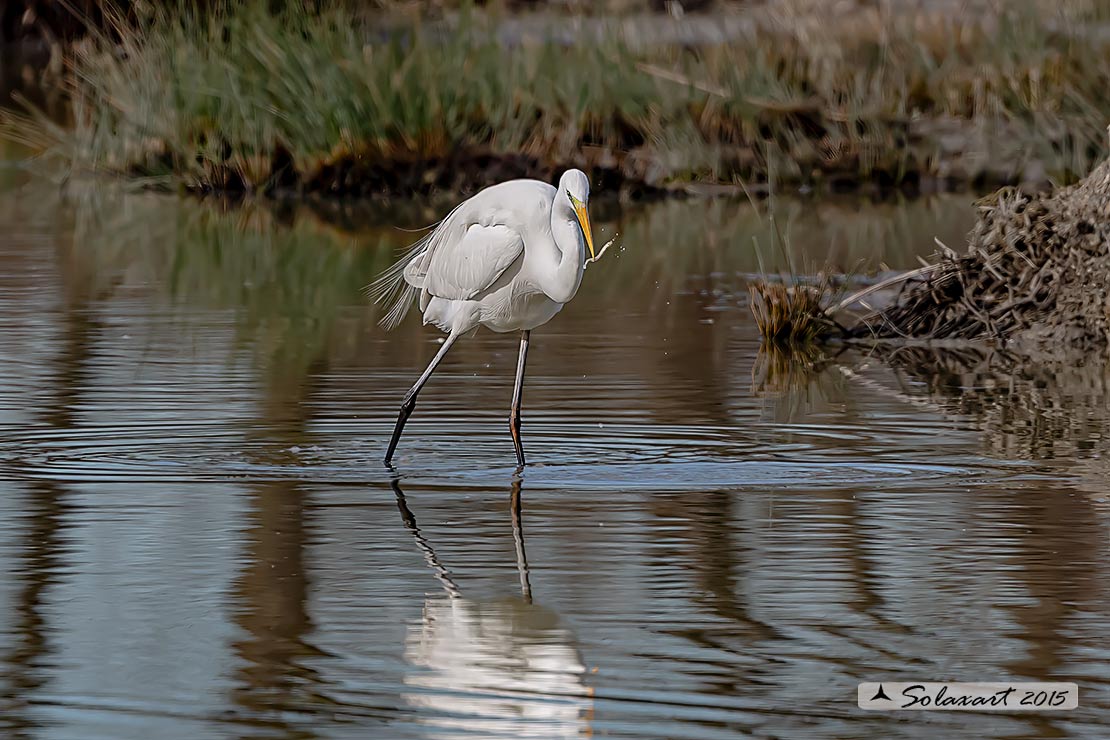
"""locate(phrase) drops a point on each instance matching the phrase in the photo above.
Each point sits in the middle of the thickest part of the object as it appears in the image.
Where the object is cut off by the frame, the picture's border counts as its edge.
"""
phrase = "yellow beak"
(584, 222)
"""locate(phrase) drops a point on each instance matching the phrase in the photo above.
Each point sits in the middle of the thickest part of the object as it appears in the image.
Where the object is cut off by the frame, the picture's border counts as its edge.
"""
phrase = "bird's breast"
(517, 307)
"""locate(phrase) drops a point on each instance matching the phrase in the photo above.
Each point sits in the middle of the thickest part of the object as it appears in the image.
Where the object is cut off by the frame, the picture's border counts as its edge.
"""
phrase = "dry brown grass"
(791, 313)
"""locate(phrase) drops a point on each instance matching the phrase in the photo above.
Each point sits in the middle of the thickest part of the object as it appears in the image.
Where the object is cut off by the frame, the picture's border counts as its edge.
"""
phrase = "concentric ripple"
(471, 450)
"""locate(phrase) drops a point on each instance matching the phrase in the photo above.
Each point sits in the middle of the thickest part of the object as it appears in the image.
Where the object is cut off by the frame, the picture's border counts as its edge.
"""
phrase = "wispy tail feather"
(392, 291)
(395, 287)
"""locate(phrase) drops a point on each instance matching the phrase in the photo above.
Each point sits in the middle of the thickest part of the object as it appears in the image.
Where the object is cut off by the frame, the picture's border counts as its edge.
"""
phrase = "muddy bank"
(462, 172)
(910, 164)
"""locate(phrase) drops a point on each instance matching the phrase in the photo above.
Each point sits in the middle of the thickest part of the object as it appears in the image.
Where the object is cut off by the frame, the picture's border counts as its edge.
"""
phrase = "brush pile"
(1037, 270)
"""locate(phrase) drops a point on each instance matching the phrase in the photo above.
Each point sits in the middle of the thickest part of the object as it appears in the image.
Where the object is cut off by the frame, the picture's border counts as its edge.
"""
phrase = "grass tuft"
(791, 314)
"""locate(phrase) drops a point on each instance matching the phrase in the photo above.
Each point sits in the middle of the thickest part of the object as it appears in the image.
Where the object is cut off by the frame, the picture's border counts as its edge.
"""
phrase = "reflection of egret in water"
(499, 668)
(518, 539)
(429, 554)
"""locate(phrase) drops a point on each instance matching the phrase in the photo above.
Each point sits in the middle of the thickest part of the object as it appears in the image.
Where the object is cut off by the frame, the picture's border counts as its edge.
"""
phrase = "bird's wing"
(461, 268)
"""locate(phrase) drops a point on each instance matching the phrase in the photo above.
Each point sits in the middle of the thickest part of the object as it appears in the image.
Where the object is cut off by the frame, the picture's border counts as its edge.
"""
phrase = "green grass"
(252, 100)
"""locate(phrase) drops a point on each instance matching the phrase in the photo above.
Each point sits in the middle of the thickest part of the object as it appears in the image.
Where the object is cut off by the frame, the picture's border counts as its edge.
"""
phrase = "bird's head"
(575, 187)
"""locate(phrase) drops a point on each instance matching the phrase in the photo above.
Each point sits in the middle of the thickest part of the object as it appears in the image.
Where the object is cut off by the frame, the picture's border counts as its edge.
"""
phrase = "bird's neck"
(570, 254)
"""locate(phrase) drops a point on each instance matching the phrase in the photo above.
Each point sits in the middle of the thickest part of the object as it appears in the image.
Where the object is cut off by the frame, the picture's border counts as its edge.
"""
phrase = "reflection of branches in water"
(1032, 409)
(720, 560)
(1060, 587)
(48, 509)
(1029, 408)
(271, 592)
(21, 668)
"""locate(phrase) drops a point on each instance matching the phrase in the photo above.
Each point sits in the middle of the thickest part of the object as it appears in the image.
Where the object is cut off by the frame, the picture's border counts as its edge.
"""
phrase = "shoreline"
(465, 173)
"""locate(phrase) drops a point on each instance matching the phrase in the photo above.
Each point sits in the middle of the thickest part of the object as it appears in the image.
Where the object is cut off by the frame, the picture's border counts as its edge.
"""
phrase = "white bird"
(508, 259)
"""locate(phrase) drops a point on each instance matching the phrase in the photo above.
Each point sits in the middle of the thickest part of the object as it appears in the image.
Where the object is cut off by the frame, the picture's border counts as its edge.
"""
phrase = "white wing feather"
(461, 269)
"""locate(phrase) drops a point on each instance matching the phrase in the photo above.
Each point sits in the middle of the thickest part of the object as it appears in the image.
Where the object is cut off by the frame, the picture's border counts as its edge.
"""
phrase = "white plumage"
(508, 259)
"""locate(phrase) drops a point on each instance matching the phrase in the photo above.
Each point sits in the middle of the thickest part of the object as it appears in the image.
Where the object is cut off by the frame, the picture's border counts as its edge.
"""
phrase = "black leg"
(409, 403)
(518, 389)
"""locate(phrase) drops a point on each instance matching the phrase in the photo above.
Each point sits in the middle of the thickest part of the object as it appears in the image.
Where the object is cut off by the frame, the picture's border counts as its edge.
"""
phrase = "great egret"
(507, 259)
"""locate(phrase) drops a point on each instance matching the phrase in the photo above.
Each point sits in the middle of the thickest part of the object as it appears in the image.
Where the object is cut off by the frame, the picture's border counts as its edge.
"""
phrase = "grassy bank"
(255, 101)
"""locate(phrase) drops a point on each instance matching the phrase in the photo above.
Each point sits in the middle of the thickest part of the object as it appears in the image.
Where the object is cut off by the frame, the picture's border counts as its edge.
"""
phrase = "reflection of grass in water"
(287, 283)
(290, 279)
(295, 268)
(717, 245)
(780, 370)
(795, 382)
(11, 175)
(678, 241)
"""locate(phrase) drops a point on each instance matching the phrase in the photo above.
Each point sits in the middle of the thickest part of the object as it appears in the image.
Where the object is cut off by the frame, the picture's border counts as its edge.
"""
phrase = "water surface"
(197, 537)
